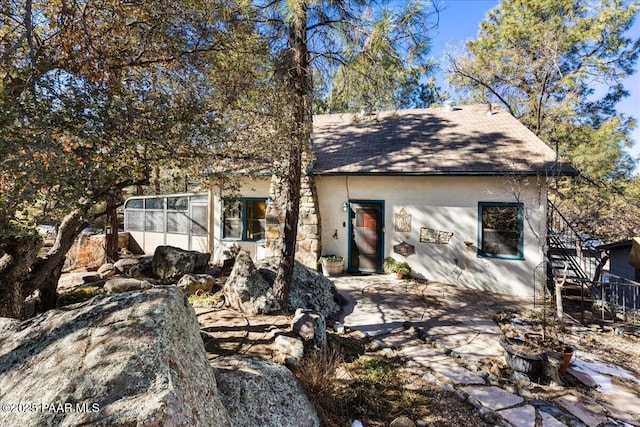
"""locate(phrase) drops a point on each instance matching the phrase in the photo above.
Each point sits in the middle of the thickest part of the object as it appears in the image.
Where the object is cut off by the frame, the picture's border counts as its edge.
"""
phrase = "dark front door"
(366, 236)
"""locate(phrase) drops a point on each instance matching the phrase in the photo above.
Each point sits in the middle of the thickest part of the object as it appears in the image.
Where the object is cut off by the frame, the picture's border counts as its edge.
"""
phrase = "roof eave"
(448, 173)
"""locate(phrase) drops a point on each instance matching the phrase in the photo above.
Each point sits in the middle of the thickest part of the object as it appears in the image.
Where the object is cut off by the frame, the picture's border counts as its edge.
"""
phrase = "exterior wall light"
(345, 207)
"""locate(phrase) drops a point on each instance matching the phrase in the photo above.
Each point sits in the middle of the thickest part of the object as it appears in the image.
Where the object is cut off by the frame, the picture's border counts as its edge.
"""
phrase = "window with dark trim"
(500, 230)
(244, 219)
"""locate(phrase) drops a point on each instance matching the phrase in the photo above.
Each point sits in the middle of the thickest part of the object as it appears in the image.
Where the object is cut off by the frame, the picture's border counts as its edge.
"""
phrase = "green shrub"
(77, 295)
(403, 268)
(389, 264)
(330, 258)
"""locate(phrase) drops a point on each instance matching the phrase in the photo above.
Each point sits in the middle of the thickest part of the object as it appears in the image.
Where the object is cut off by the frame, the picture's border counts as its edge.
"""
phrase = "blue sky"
(460, 19)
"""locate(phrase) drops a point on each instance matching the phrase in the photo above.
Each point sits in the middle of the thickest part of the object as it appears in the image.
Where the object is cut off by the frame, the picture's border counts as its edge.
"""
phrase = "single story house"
(458, 193)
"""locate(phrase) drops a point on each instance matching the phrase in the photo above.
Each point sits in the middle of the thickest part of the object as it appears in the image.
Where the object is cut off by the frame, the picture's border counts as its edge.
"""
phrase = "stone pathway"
(232, 332)
(444, 331)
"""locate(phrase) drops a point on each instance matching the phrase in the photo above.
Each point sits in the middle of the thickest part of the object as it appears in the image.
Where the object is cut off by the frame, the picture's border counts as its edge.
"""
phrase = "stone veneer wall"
(308, 244)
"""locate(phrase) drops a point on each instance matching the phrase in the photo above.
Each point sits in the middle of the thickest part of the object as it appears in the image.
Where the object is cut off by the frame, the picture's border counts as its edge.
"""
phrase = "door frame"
(380, 231)
(197, 238)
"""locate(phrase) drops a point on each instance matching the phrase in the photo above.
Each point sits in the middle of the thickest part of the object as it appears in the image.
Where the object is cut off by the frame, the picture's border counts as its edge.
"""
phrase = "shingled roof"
(433, 141)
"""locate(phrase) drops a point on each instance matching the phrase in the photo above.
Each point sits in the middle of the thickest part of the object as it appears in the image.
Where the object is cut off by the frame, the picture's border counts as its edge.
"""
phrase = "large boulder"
(170, 263)
(309, 289)
(246, 290)
(258, 392)
(129, 359)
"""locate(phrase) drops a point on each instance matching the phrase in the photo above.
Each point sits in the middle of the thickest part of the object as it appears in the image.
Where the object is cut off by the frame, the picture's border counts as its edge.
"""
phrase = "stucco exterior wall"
(446, 204)
(250, 187)
(442, 203)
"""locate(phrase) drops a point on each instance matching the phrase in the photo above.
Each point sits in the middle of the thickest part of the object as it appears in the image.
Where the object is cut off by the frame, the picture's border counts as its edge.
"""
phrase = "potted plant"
(389, 265)
(523, 356)
(332, 265)
(402, 269)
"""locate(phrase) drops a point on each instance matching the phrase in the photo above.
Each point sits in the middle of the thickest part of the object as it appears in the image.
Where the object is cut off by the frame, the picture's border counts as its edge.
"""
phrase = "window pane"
(154, 221)
(256, 224)
(177, 222)
(232, 219)
(199, 220)
(500, 230)
(134, 220)
(154, 203)
(178, 203)
(134, 204)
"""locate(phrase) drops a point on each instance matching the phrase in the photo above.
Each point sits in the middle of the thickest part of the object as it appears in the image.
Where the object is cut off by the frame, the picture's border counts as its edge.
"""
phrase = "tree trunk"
(111, 230)
(46, 271)
(15, 263)
(299, 81)
(22, 272)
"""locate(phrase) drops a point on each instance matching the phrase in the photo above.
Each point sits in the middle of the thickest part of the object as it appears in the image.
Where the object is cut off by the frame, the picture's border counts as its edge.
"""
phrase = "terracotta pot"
(567, 355)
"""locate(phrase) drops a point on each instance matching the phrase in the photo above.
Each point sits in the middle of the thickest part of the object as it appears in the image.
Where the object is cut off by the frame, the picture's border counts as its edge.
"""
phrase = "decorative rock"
(192, 283)
(130, 359)
(483, 374)
(310, 326)
(246, 290)
(107, 270)
(473, 367)
(170, 263)
(259, 392)
(523, 392)
(376, 345)
(461, 395)
(520, 379)
(447, 387)
(118, 285)
(287, 346)
(402, 422)
(487, 415)
(73, 280)
(511, 388)
(430, 378)
(388, 352)
(125, 265)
